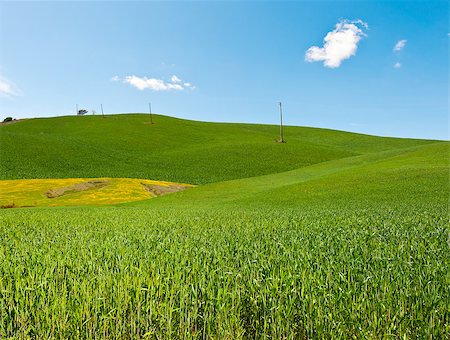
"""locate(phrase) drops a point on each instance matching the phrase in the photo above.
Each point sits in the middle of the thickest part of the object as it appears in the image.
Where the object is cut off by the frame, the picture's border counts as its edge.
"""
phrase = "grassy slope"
(353, 247)
(172, 149)
(410, 176)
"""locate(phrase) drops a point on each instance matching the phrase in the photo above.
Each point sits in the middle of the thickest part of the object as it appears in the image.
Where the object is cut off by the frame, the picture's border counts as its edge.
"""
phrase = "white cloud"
(339, 44)
(142, 83)
(175, 79)
(400, 45)
(115, 78)
(8, 88)
(397, 65)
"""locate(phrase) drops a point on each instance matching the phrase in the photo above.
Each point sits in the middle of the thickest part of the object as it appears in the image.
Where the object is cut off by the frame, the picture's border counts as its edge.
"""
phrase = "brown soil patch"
(8, 206)
(161, 190)
(57, 192)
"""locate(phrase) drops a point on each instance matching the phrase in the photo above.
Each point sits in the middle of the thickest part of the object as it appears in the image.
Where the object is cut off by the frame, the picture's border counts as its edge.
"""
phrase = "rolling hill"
(415, 176)
(331, 235)
(170, 150)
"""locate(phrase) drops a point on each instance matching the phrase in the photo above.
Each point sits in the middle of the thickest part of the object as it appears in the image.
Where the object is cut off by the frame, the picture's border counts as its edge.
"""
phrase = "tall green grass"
(136, 272)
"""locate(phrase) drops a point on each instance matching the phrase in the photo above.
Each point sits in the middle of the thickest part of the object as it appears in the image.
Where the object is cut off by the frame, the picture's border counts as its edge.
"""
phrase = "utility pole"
(101, 105)
(150, 111)
(281, 124)
(76, 112)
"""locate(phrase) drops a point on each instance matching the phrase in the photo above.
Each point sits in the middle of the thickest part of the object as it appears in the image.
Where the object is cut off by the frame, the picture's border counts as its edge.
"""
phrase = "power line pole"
(76, 112)
(281, 123)
(150, 111)
(101, 105)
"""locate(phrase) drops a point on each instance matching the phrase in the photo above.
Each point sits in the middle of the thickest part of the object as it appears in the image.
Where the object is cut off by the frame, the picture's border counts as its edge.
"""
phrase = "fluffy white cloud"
(397, 65)
(8, 88)
(156, 84)
(339, 44)
(400, 45)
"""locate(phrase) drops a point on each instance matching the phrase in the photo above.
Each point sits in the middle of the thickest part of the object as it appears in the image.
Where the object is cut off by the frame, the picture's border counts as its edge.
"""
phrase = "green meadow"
(172, 149)
(330, 235)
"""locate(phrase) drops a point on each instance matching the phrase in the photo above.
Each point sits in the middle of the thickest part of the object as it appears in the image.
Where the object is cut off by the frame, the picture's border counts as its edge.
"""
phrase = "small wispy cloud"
(8, 89)
(175, 79)
(339, 44)
(397, 65)
(400, 45)
(154, 84)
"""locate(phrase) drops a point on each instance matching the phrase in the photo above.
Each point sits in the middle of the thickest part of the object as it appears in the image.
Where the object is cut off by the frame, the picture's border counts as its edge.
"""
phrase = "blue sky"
(233, 61)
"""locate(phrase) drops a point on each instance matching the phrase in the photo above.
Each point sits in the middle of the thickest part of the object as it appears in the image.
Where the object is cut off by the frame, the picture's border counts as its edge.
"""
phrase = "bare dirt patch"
(161, 190)
(8, 206)
(89, 185)
(13, 205)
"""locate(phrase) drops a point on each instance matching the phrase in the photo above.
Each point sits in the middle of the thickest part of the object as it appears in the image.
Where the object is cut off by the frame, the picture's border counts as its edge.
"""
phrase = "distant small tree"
(7, 119)
(82, 112)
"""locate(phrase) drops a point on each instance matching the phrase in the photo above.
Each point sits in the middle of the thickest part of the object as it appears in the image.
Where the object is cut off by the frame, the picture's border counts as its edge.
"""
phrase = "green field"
(331, 235)
(172, 149)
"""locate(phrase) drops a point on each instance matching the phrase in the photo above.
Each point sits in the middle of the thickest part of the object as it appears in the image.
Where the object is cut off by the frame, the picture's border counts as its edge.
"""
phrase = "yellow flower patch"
(32, 192)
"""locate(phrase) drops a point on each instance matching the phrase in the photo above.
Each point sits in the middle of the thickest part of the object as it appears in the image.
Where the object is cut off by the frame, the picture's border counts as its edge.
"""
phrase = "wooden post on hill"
(281, 124)
(103, 115)
(150, 111)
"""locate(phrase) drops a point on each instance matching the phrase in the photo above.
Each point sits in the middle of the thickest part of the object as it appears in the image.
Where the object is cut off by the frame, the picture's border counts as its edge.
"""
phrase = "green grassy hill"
(331, 235)
(171, 149)
(397, 178)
